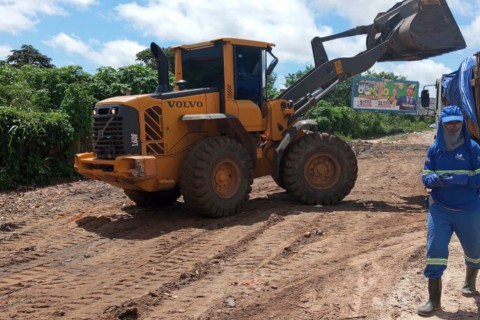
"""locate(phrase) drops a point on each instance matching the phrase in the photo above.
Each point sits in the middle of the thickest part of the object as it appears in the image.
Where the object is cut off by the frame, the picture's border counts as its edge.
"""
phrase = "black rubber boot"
(433, 304)
(469, 288)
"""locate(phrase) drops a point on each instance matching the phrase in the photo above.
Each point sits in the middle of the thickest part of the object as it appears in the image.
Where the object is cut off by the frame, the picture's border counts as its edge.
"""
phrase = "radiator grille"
(108, 137)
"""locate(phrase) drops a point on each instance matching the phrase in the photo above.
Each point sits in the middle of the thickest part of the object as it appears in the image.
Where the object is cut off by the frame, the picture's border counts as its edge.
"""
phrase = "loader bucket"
(419, 29)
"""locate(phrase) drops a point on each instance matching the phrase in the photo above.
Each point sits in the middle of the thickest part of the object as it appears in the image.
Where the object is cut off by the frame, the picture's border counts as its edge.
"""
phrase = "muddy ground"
(82, 250)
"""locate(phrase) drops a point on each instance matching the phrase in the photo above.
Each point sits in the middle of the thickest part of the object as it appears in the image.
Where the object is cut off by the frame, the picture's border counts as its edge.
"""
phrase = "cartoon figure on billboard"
(382, 91)
(393, 98)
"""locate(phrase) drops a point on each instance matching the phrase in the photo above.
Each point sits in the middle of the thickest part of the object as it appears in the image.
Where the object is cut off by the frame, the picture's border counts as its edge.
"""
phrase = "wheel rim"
(226, 178)
(322, 171)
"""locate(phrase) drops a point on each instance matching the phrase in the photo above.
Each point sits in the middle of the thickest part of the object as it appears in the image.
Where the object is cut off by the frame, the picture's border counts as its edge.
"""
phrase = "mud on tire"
(153, 199)
(216, 177)
(319, 168)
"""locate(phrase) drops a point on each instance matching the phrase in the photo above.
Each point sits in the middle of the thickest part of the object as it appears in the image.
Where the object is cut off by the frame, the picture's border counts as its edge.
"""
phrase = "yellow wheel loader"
(216, 131)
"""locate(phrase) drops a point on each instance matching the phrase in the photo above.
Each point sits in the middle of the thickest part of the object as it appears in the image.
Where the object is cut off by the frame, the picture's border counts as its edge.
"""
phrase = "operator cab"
(208, 65)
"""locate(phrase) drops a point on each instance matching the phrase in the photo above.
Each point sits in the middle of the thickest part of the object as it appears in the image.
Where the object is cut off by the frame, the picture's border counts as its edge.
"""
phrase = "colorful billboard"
(399, 96)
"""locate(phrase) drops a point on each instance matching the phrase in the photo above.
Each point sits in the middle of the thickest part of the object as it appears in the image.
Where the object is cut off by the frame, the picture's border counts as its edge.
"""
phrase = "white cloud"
(357, 12)
(471, 33)
(345, 47)
(291, 25)
(465, 8)
(115, 54)
(288, 24)
(80, 4)
(118, 53)
(21, 15)
(70, 44)
(4, 51)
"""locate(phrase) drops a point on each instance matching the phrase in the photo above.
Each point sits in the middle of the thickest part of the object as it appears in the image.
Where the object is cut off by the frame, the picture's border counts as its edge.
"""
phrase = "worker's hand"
(454, 179)
(433, 181)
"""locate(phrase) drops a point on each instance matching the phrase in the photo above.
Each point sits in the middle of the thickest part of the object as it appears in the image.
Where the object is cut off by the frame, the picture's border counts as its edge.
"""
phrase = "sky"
(96, 33)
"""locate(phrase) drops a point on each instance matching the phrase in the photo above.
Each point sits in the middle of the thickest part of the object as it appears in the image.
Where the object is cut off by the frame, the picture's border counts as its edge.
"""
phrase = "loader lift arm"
(308, 90)
(410, 30)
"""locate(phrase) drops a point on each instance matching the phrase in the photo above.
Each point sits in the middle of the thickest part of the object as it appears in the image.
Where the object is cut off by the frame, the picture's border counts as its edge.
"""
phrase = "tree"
(59, 79)
(340, 95)
(28, 55)
(146, 56)
(137, 78)
(291, 78)
(78, 105)
(272, 92)
(383, 75)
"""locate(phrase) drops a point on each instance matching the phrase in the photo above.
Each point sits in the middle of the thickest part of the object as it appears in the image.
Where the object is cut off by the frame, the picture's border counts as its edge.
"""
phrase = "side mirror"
(425, 98)
(272, 66)
(273, 63)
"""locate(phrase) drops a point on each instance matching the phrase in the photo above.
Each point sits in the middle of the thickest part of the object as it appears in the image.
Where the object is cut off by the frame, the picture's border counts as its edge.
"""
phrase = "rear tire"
(319, 168)
(153, 199)
(216, 177)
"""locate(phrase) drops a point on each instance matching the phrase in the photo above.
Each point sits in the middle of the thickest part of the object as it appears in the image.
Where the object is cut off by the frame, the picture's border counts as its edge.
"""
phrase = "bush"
(351, 124)
(34, 147)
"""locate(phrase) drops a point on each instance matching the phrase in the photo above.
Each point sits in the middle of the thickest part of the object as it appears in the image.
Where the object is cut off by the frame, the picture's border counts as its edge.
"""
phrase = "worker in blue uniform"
(452, 172)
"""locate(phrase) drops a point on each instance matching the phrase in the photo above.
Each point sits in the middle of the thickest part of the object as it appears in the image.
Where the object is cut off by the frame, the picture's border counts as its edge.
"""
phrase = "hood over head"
(445, 140)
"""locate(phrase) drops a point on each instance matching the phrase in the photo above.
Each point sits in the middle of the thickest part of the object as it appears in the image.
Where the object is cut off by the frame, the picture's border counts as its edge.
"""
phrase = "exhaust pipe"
(422, 29)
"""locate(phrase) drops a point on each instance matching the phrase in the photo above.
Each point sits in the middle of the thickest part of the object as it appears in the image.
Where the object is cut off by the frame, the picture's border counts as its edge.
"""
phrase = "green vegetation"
(46, 112)
(34, 147)
(351, 124)
(333, 113)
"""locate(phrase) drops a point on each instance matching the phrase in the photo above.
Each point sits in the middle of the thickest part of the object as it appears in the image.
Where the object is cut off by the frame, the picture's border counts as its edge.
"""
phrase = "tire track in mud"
(245, 266)
(27, 280)
(266, 263)
(357, 255)
(281, 260)
(30, 232)
(282, 280)
(52, 281)
(203, 271)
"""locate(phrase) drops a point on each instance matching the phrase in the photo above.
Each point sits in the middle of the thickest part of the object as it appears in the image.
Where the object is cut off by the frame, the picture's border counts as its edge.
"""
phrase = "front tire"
(319, 168)
(216, 177)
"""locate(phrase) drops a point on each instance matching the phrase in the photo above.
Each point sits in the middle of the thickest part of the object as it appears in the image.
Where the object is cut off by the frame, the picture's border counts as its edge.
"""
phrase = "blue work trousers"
(442, 223)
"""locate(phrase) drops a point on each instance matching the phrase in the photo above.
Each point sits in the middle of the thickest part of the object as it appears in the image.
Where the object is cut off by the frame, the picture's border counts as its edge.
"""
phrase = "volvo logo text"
(185, 104)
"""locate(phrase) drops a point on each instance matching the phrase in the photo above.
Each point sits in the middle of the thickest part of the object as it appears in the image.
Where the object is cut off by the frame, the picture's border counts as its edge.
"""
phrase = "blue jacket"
(453, 176)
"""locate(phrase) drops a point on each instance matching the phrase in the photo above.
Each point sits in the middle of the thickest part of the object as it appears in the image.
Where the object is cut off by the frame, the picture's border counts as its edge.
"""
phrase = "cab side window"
(248, 74)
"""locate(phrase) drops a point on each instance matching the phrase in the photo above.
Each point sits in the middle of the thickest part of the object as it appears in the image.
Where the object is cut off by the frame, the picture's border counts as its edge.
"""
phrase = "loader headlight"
(137, 166)
(114, 110)
(139, 170)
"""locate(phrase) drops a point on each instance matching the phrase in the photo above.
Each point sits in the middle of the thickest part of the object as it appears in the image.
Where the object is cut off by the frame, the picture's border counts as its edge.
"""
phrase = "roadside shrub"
(34, 147)
(351, 124)
(78, 105)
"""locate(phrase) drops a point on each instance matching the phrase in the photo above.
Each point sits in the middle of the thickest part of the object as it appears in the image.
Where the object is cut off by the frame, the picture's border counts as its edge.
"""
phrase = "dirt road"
(83, 251)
